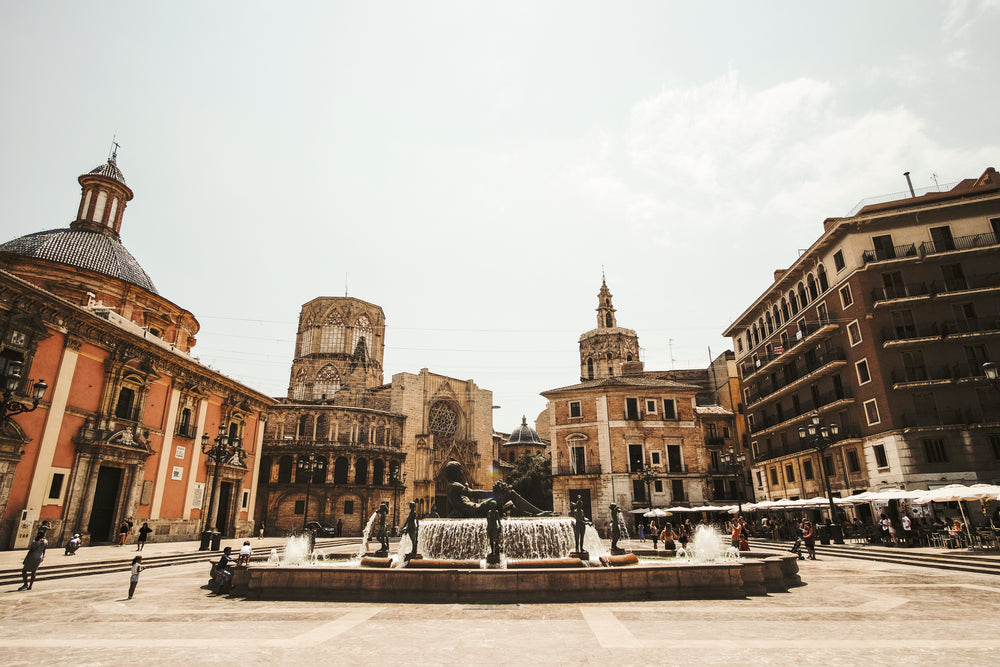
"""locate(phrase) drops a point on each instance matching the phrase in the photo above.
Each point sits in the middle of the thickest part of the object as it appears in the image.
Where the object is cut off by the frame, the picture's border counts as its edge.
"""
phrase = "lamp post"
(992, 371)
(733, 463)
(11, 383)
(647, 475)
(220, 450)
(820, 438)
(308, 465)
(398, 484)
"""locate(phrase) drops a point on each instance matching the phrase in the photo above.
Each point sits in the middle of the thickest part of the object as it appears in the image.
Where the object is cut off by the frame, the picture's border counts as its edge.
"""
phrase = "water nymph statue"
(494, 533)
(579, 524)
(411, 527)
(616, 527)
(383, 533)
(466, 502)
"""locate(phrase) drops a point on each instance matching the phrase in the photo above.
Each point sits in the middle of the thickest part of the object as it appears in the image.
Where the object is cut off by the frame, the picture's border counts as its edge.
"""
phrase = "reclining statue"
(466, 502)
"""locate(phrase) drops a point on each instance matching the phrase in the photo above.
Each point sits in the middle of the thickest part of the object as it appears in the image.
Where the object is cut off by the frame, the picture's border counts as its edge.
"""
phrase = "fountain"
(483, 555)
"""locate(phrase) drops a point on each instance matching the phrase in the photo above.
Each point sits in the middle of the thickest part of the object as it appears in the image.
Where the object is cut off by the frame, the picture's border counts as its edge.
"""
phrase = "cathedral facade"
(342, 442)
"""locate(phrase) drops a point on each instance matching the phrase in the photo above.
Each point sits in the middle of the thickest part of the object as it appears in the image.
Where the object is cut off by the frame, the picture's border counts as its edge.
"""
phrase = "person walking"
(144, 532)
(123, 529)
(260, 535)
(34, 558)
(133, 579)
(642, 531)
(809, 539)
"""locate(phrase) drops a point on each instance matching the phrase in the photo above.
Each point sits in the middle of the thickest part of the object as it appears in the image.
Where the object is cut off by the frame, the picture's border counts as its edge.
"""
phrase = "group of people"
(125, 529)
(665, 534)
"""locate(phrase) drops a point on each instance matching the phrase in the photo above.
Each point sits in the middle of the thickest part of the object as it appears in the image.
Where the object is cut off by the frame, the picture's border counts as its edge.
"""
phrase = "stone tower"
(338, 349)
(605, 351)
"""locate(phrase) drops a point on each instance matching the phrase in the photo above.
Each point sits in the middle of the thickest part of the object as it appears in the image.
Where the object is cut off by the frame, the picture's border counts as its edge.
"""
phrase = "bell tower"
(605, 351)
(103, 199)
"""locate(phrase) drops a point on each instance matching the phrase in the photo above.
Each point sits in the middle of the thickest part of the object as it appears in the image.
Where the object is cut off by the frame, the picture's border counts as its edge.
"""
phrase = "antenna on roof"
(345, 283)
(936, 184)
(114, 149)
(670, 344)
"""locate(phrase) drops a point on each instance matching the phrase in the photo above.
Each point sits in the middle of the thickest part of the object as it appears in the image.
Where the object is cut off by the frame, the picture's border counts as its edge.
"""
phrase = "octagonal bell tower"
(605, 351)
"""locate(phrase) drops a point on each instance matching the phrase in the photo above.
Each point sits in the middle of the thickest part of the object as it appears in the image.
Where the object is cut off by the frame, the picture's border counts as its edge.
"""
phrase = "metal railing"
(767, 388)
(959, 243)
(883, 254)
(187, 430)
(900, 292)
(911, 331)
(578, 470)
(983, 281)
(977, 325)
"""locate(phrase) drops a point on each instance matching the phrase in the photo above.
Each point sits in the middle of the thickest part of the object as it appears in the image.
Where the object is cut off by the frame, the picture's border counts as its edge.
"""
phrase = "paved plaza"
(850, 612)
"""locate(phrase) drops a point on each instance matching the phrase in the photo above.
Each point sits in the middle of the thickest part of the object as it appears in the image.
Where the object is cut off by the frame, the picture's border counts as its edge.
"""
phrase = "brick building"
(881, 327)
(635, 437)
(116, 433)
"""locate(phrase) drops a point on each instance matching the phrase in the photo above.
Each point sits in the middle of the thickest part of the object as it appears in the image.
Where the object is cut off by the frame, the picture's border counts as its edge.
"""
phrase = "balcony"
(886, 254)
(970, 242)
(910, 333)
(921, 376)
(813, 368)
(971, 327)
(714, 441)
(940, 419)
(847, 432)
(811, 332)
(910, 291)
(823, 401)
(578, 470)
(187, 430)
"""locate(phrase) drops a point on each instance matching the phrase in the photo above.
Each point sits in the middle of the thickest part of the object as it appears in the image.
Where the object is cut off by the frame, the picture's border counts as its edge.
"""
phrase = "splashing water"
(297, 551)
(707, 546)
(274, 559)
(366, 535)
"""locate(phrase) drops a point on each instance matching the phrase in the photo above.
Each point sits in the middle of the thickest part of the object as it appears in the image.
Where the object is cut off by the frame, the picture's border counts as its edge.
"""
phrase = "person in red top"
(809, 539)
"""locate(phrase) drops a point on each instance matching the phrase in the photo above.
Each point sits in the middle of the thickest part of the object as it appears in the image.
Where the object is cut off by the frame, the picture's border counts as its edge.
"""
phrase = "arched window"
(322, 427)
(361, 471)
(821, 274)
(299, 386)
(264, 475)
(362, 332)
(607, 320)
(285, 469)
(363, 431)
(378, 472)
(332, 334)
(811, 282)
(443, 420)
(305, 427)
(803, 301)
(340, 470)
(793, 301)
(776, 315)
(327, 383)
(769, 322)
(306, 337)
(124, 409)
(590, 369)
(784, 309)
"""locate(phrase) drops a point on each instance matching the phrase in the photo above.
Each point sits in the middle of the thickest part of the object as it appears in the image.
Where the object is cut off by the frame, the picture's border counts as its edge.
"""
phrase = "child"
(245, 552)
(134, 579)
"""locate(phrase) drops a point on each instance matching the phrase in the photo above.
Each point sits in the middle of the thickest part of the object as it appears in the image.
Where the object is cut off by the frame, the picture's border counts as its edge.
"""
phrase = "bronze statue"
(466, 502)
(383, 533)
(494, 533)
(580, 523)
(411, 528)
(616, 527)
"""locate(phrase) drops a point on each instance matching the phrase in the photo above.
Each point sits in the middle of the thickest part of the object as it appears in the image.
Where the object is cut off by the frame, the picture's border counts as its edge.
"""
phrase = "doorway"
(222, 517)
(102, 514)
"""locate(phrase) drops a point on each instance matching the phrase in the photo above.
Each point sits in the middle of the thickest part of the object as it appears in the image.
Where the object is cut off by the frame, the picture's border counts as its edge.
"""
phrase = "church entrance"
(102, 516)
(222, 516)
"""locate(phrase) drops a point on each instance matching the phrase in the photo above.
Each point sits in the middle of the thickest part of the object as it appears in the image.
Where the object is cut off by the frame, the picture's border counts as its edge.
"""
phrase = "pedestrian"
(809, 539)
(133, 580)
(223, 577)
(260, 535)
(122, 532)
(246, 551)
(734, 538)
(34, 558)
(907, 529)
(667, 536)
(73, 545)
(653, 535)
(143, 534)
(642, 531)
(682, 536)
(340, 527)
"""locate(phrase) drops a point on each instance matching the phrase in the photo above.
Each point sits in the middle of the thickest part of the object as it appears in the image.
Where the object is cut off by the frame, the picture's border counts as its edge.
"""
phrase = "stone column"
(215, 490)
(88, 495)
(135, 481)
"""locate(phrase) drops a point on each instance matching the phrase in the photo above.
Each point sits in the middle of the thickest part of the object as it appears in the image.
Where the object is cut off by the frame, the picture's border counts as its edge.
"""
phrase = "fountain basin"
(673, 581)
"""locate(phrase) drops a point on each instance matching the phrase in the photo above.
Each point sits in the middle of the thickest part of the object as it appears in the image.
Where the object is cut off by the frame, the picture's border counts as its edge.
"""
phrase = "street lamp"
(992, 371)
(398, 484)
(733, 463)
(220, 450)
(820, 438)
(308, 465)
(11, 383)
(647, 475)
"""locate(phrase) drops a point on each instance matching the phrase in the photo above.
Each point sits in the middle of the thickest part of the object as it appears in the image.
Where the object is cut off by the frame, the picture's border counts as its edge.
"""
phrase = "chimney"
(907, 174)
(778, 273)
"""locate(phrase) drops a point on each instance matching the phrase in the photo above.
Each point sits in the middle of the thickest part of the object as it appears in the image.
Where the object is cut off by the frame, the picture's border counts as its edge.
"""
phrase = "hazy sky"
(471, 166)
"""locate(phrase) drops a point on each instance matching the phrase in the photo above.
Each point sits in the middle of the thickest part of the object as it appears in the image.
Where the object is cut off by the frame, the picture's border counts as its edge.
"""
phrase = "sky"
(474, 168)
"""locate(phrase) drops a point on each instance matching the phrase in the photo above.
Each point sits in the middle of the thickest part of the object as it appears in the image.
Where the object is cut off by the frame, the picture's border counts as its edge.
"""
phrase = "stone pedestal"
(582, 555)
(408, 557)
(493, 559)
(618, 552)
(381, 553)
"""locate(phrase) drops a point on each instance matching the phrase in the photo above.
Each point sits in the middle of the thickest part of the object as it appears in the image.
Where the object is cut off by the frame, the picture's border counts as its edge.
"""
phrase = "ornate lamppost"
(733, 464)
(220, 451)
(820, 438)
(11, 383)
(992, 371)
(308, 465)
(647, 475)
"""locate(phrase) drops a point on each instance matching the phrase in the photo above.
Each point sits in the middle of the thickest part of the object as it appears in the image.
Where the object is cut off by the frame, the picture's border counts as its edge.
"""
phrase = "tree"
(532, 478)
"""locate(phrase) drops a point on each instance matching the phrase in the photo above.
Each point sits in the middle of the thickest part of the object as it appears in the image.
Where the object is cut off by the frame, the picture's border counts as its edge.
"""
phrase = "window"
(578, 459)
(821, 276)
(864, 377)
(880, 460)
(658, 486)
(760, 480)
(995, 445)
(300, 507)
(327, 383)
(854, 333)
(654, 458)
(669, 409)
(828, 466)
(443, 420)
(789, 473)
(332, 334)
(56, 486)
(574, 409)
(838, 260)
(846, 298)
(126, 401)
(774, 476)
(348, 507)
(821, 314)
(807, 469)
(871, 412)
(362, 334)
(935, 451)
(677, 488)
(853, 462)
(246, 499)
(756, 451)
(674, 458)
(632, 409)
